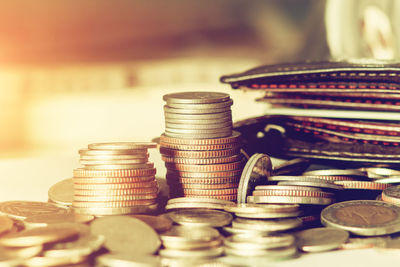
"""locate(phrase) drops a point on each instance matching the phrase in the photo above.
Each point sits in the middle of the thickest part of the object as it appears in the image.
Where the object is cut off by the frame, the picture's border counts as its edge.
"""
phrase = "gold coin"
(148, 165)
(20, 210)
(202, 160)
(133, 260)
(80, 172)
(137, 209)
(6, 224)
(122, 145)
(234, 138)
(112, 180)
(198, 154)
(189, 237)
(140, 186)
(196, 148)
(200, 217)
(130, 152)
(159, 223)
(62, 193)
(205, 168)
(202, 253)
(42, 220)
(126, 234)
(105, 198)
(113, 161)
(275, 225)
(112, 204)
(40, 235)
(116, 192)
(115, 157)
(210, 175)
(199, 135)
(321, 239)
(41, 261)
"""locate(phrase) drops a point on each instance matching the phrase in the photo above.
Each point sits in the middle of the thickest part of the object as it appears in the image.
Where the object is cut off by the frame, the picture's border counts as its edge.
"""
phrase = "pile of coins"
(200, 150)
(117, 178)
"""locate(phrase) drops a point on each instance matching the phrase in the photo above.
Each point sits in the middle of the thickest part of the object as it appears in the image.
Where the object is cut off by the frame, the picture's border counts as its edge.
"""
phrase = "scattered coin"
(321, 239)
(200, 217)
(126, 234)
(363, 217)
(159, 223)
(20, 210)
(255, 172)
(313, 183)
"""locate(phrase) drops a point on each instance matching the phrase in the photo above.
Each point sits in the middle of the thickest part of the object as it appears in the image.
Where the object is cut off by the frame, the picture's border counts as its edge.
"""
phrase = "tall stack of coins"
(200, 150)
(117, 178)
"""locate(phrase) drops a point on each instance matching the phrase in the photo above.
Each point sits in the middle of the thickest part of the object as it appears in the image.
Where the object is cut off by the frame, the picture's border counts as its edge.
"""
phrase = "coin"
(308, 177)
(204, 175)
(205, 168)
(313, 183)
(202, 161)
(12, 256)
(204, 181)
(218, 197)
(47, 219)
(198, 121)
(251, 242)
(198, 109)
(391, 194)
(211, 192)
(194, 148)
(255, 172)
(148, 165)
(287, 187)
(289, 200)
(196, 97)
(6, 224)
(40, 261)
(261, 208)
(122, 146)
(291, 167)
(321, 239)
(200, 217)
(126, 235)
(141, 187)
(335, 172)
(363, 217)
(80, 172)
(104, 198)
(170, 130)
(189, 186)
(102, 211)
(114, 180)
(196, 202)
(115, 157)
(273, 225)
(159, 223)
(199, 154)
(113, 153)
(62, 193)
(366, 185)
(202, 253)
(269, 215)
(196, 127)
(112, 204)
(210, 117)
(209, 106)
(84, 245)
(116, 192)
(284, 252)
(20, 210)
(234, 138)
(293, 193)
(133, 260)
(39, 235)
(113, 162)
(189, 234)
(199, 135)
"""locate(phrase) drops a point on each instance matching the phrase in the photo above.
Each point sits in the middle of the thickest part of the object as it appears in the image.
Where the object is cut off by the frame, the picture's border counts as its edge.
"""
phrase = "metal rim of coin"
(366, 185)
(199, 97)
(169, 130)
(288, 200)
(198, 199)
(234, 138)
(336, 172)
(201, 127)
(191, 205)
(339, 215)
(62, 193)
(115, 157)
(123, 173)
(126, 234)
(113, 161)
(144, 187)
(327, 178)
(259, 242)
(20, 210)
(280, 253)
(321, 239)
(160, 223)
(111, 192)
(193, 186)
(205, 168)
(39, 261)
(140, 166)
(200, 217)
(205, 181)
(199, 154)
(48, 219)
(202, 253)
(198, 121)
(204, 161)
(275, 225)
(261, 208)
(103, 198)
(270, 215)
(247, 180)
(115, 180)
(380, 172)
(195, 106)
(191, 110)
(196, 148)
(200, 136)
(110, 153)
(218, 197)
(112, 204)
(181, 236)
(313, 183)
(122, 145)
(203, 175)
(137, 209)
(287, 187)
(292, 193)
(133, 260)
(210, 116)
(209, 192)
(389, 180)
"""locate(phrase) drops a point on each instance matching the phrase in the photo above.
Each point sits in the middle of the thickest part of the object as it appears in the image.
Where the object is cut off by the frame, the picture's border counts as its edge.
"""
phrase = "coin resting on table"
(225, 207)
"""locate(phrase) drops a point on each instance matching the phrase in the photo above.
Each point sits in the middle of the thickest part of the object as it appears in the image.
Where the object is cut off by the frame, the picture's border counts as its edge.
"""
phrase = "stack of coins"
(117, 178)
(200, 150)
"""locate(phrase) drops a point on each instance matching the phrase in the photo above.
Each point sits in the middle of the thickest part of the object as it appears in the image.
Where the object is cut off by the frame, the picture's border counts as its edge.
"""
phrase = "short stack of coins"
(200, 150)
(117, 178)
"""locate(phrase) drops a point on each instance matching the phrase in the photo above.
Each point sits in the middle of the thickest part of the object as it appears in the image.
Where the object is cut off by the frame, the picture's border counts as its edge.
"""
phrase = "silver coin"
(259, 242)
(210, 106)
(199, 121)
(202, 253)
(196, 97)
(269, 215)
(98, 152)
(291, 167)
(267, 253)
(321, 239)
(199, 136)
(336, 172)
(201, 217)
(276, 225)
(290, 200)
(312, 183)
(113, 161)
(287, 187)
(390, 180)
(261, 208)
(211, 116)
(194, 111)
(125, 260)
(391, 194)
(199, 131)
(363, 217)
(198, 126)
(255, 172)
(122, 145)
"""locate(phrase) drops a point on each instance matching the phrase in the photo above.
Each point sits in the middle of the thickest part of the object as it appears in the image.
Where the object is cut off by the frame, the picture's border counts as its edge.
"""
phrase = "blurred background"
(75, 73)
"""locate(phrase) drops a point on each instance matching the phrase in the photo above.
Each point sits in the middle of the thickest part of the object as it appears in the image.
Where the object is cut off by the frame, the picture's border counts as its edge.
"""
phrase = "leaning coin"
(201, 217)
(20, 210)
(391, 194)
(275, 225)
(291, 167)
(363, 217)
(196, 97)
(62, 193)
(133, 260)
(122, 145)
(255, 172)
(126, 234)
(321, 239)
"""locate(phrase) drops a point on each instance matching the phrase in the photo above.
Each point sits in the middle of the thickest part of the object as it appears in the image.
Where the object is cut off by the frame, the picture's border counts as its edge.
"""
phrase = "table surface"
(29, 178)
